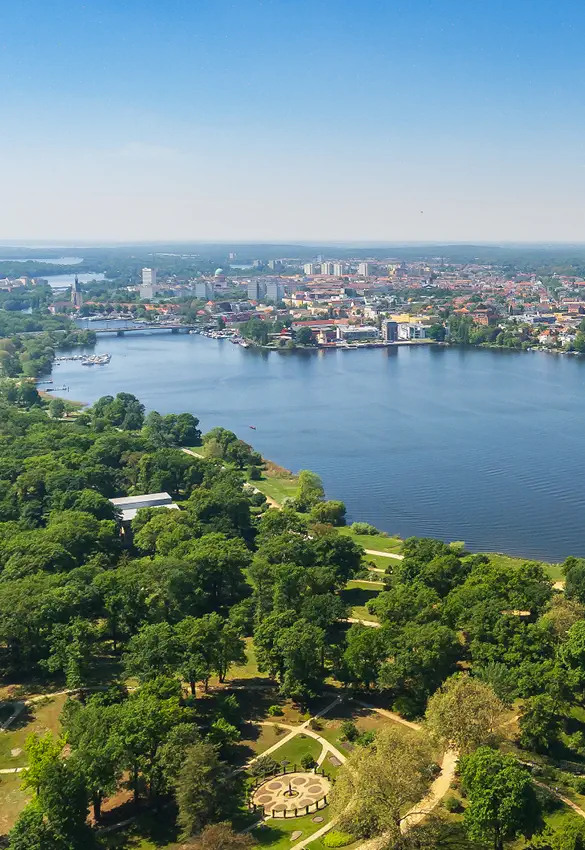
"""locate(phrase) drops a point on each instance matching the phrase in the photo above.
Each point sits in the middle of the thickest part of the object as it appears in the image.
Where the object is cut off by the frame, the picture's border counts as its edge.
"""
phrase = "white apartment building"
(407, 330)
(148, 277)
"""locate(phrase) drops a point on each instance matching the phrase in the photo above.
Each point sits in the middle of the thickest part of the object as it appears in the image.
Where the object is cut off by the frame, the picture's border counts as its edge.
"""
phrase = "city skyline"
(138, 122)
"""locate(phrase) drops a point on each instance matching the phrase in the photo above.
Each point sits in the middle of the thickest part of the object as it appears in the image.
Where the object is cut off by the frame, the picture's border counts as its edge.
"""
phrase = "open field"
(12, 801)
(365, 719)
(295, 749)
(357, 594)
(554, 570)
(276, 488)
(39, 718)
(381, 542)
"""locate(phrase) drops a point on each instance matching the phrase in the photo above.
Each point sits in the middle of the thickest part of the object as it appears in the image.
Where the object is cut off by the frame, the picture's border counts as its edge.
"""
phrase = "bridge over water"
(120, 330)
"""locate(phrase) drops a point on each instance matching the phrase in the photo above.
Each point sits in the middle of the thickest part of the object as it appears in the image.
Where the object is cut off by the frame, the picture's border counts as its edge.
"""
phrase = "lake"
(59, 261)
(461, 444)
(61, 281)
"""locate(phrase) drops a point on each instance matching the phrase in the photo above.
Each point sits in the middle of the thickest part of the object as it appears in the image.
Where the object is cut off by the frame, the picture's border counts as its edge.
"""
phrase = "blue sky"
(284, 119)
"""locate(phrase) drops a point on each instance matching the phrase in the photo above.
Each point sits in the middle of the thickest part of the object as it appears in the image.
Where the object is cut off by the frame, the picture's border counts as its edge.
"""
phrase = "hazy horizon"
(403, 122)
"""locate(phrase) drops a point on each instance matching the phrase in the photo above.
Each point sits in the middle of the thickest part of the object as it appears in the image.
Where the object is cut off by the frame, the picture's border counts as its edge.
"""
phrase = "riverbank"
(279, 484)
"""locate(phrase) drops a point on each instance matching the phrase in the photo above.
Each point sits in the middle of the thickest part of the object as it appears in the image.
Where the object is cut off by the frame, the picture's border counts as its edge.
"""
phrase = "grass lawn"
(249, 670)
(295, 749)
(149, 832)
(379, 562)
(554, 570)
(198, 450)
(256, 739)
(41, 717)
(12, 801)
(357, 594)
(372, 584)
(277, 832)
(365, 719)
(381, 542)
(277, 488)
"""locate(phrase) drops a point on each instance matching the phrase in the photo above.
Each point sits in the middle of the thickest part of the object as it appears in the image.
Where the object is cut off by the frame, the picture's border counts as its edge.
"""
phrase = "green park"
(246, 670)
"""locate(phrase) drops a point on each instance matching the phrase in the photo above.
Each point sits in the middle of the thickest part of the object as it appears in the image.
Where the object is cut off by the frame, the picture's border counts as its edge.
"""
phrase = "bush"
(407, 707)
(363, 528)
(315, 724)
(257, 499)
(578, 784)
(452, 804)
(366, 738)
(263, 767)
(349, 731)
(308, 762)
(332, 513)
(335, 838)
(254, 473)
(275, 711)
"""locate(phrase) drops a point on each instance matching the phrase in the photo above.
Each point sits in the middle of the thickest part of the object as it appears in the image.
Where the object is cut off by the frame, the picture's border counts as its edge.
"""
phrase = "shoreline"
(280, 474)
(553, 567)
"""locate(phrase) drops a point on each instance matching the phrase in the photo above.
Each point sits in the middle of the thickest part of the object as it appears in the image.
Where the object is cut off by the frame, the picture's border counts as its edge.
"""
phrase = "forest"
(174, 652)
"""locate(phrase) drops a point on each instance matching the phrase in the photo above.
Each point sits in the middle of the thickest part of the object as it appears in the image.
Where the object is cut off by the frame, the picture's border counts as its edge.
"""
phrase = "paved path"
(384, 554)
(269, 500)
(302, 729)
(390, 715)
(436, 793)
(326, 748)
(370, 623)
(559, 796)
(12, 769)
(368, 581)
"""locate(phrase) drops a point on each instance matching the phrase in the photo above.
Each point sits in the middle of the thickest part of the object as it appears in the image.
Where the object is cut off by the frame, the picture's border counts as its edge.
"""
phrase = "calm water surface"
(480, 446)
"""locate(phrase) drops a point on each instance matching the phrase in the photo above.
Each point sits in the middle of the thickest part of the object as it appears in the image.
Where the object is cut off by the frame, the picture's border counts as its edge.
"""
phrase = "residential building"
(148, 277)
(256, 290)
(408, 330)
(338, 269)
(364, 269)
(310, 269)
(327, 268)
(204, 290)
(274, 291)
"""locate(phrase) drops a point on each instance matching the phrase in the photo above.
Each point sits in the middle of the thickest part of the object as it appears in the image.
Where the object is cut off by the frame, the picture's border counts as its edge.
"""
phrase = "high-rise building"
(148, 277)
(274, 265)
(365, 269)
(310, 268)
(256, 290)
(204, 290)
(232, 255)
(274, 291)
(390, 331)
(338, 269)
(327, 268)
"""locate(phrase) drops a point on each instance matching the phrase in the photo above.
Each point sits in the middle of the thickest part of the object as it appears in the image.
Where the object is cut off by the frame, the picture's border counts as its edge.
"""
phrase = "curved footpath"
(437, 791)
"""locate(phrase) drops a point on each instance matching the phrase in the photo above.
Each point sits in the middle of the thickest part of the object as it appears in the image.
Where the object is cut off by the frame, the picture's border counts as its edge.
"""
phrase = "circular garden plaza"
(292, 794)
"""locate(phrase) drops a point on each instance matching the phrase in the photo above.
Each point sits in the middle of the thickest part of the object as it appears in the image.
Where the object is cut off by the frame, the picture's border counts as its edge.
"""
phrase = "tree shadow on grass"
(267, 835)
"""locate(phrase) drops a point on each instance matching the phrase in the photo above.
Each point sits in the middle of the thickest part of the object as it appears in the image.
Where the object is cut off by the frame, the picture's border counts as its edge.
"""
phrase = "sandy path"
(384, 554)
